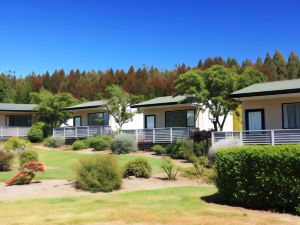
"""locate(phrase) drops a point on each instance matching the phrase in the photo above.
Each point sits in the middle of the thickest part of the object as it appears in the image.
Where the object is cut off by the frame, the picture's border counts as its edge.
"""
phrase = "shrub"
(123, 144)
(264, 177)
(176, 149)
(28, 156)
(203, 137)
(78, 144)
(199, 164)
(6, 160)
(159, 149)
(99, 143)
(170, 168)
(138, 167)
(26, 174)
(54, 141)
(99, 173)
(16, 144)
(36, 133)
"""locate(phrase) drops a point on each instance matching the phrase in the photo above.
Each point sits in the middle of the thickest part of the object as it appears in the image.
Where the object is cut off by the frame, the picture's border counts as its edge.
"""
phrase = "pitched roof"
(167, 100)
(269, 88)
(86, 105)
(17, 107)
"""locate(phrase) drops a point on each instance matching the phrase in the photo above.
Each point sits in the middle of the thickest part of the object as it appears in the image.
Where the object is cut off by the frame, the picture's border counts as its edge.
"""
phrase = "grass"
(180, 205)
(59, 164)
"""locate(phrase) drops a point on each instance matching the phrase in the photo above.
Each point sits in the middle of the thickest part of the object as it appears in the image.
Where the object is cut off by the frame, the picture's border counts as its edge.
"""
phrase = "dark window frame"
(282, 116)
(185, 116)
(102, 123)
(7, 120)
(146, 125)
(262, 110)
(75, 118)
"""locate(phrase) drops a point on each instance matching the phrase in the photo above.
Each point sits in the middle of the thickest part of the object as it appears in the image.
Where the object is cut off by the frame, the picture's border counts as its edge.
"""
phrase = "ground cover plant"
(28, 156)
(55, 142)
(123, 143)
(138, 167)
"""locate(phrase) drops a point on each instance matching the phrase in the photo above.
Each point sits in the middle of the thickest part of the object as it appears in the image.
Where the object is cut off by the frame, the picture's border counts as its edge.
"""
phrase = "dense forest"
(146, 82)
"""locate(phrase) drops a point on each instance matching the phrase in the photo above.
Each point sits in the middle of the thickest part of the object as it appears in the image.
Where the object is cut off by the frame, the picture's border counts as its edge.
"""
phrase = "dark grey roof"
(86, 105)
(17, 107)
(167, 100)
(269, 88)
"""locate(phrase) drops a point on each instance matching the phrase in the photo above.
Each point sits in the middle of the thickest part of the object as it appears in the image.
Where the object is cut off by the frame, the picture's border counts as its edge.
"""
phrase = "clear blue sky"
(45, 35)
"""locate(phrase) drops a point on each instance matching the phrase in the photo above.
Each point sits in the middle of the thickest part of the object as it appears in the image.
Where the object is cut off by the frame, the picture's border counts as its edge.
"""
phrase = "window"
(255, 119)
(291, 116)
(98, 119)
(77, 121)
(180, 118)
(18, 120)
(150, 121)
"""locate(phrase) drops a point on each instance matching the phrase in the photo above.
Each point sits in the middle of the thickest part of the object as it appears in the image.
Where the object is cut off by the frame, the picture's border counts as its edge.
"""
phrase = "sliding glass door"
(255, 119)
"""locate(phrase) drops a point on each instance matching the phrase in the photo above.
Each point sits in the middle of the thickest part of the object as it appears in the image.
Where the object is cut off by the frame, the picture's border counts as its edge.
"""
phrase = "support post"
(64, 132)
(212, 138)
(137, 136)
(171, 135)
(88, 131)
(272, 138)
(1, 131)
(241, 137)
(76, 132)
(17, 131)
(153, 136)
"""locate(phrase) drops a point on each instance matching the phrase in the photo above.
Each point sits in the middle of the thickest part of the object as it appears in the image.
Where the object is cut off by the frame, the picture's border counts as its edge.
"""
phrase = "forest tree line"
(143, 81)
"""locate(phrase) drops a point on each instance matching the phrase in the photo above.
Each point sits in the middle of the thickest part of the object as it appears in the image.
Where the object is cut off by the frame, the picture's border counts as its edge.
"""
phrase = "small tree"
(118, 104)
(50, 107)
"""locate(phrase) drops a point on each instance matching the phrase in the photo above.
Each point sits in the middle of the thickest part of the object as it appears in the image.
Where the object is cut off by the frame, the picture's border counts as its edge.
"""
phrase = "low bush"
(6, 161)
(138, 167)
(28, 156)
(158, 149)
(177, 149)
(123, 144)
(99, 173)
(78, 144)
(204, 139)
(16, 144)
(199, 164)
(54, 141)
(99, 143)
(36, 132)
(170, 168)
(263, 177)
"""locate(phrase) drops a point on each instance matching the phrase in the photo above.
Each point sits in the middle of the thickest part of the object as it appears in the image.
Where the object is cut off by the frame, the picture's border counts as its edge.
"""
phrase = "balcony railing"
(161, 135)
(13, 131)
(259, 137)
(82, 131)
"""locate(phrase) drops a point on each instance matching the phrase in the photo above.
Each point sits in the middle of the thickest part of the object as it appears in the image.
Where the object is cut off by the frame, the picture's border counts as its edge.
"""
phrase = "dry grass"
(180, 205)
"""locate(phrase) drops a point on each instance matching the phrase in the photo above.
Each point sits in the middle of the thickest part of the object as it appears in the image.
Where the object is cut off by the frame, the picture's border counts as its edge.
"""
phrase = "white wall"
(137, 122)
(206, 124)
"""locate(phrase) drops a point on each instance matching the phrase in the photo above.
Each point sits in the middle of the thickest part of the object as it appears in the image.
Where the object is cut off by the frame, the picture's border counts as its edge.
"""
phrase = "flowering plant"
(27, 173)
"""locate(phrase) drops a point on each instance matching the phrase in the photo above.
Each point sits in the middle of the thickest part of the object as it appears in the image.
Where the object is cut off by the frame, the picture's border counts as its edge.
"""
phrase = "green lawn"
(180, 205)
(59, 164)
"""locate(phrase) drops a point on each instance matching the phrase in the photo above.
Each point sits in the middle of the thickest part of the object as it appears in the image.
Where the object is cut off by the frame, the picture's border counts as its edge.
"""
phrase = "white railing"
(13, 131)
(260, 137)
(161, 135)
(82, 131)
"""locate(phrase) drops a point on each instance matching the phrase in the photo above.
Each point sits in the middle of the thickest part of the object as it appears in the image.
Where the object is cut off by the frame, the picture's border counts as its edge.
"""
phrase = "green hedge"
(263, 177)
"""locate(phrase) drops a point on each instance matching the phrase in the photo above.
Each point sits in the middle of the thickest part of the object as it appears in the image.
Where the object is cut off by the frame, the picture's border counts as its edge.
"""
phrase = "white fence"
(13, 131)
(161, 135)
(260, 137)
(82, 131)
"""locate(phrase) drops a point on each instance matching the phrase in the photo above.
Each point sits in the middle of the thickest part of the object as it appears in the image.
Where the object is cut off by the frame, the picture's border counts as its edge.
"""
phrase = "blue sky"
(40, 35)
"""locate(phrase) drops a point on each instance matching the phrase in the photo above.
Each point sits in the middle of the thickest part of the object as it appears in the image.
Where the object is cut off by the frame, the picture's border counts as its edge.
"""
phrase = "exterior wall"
(4, 114)
(159, 112)
(272, 108)
(84, 116)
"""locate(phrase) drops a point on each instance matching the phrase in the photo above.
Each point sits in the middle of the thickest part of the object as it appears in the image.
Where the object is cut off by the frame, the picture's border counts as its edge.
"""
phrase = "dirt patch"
(60, 188)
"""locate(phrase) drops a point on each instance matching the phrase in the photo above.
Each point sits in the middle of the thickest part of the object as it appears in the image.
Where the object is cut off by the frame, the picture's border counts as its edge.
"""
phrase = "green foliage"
(170, 168)
(138, 167)
(50, 107)
(99, 143)
(280, 64)
(99, 173)
(118, 104)
(16, 144)
(248, 77)
(159, 149)
(6, 91)
(6, 161)
(264, 177)
(78, 144)
(177, 149)
(54, 141)
(28, 156)
(123, 144)
(36, 132)
(199, 164)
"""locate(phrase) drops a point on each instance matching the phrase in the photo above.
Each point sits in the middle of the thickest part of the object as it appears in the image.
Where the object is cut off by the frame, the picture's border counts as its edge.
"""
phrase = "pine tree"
(6, 92)
(269, 68)
(200, 64)
(258, 63)
(293, 66)
(280, 64)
